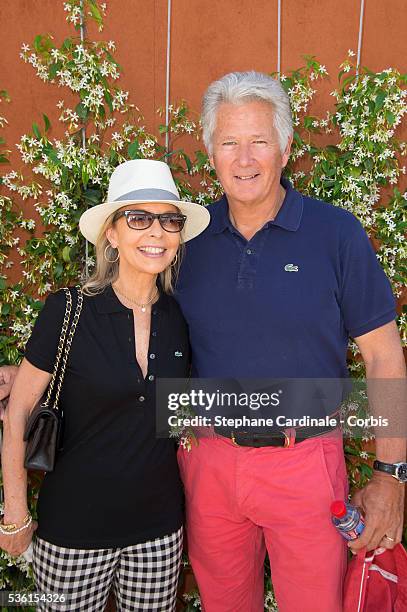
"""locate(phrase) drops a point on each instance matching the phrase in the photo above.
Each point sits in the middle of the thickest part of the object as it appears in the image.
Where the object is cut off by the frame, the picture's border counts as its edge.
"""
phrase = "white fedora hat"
(143, 180)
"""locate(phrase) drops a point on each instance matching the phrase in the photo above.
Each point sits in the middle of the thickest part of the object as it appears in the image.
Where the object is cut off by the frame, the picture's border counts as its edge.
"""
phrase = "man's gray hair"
(239, 88)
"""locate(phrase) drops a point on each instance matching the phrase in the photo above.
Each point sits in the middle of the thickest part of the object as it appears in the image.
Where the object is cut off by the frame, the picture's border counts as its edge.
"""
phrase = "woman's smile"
(151, 251)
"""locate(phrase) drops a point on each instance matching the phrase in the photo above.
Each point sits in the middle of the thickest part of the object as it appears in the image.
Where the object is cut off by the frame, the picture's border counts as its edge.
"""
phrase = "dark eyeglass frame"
(153, 216)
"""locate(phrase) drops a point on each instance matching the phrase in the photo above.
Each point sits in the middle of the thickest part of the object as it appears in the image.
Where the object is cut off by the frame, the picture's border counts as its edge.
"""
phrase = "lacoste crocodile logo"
(290, 268)
(177, 354)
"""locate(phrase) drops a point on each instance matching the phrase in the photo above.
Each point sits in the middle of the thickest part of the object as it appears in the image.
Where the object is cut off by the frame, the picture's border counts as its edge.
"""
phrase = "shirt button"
(249, 251)
(154, 333)
(151, 377)
(141, 398)
(152, 355)
(154, 311)
(129, 339)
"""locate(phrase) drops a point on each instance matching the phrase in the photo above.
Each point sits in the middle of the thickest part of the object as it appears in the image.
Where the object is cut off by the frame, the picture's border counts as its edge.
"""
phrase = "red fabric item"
(377, 581)
(242, 500)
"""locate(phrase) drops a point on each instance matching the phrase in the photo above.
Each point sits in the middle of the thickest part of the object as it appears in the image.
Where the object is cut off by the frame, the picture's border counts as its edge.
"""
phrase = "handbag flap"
(40, 412)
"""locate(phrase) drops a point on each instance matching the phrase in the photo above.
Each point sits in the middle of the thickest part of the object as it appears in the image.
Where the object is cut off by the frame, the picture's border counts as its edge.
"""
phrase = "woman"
(111, 511)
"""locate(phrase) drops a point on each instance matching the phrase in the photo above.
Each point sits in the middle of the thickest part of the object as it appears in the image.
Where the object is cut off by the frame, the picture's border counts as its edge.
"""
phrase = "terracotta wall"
(208, 38)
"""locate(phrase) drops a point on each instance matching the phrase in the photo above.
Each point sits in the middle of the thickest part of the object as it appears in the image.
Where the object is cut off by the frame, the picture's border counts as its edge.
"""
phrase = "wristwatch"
(397, 470)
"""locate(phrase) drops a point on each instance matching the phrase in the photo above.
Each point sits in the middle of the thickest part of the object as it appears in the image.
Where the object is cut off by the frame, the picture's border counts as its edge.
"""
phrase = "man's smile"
(247, 177)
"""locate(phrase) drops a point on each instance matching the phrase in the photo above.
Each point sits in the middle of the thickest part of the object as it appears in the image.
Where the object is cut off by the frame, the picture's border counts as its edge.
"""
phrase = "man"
(273, 289)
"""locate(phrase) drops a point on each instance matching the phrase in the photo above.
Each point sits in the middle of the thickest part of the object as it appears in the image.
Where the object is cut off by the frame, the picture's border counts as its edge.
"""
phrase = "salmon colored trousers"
(243, 501)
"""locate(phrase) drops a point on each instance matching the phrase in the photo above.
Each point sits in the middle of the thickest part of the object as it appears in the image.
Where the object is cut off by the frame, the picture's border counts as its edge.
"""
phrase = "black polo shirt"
(115, 484)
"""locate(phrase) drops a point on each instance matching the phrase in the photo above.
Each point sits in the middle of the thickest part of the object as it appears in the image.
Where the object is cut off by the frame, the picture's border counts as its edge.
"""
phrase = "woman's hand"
(18, 543)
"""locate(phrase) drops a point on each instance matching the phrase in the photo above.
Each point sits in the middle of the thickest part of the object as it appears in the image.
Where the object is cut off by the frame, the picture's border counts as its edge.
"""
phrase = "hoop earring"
(111, 260)
(175, 260)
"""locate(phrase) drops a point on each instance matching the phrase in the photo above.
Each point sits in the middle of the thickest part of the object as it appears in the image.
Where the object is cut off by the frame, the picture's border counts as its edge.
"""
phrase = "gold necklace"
(142, 306)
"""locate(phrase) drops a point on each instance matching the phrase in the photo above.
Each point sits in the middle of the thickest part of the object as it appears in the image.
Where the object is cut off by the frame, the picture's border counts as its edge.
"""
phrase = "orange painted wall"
(208, 38)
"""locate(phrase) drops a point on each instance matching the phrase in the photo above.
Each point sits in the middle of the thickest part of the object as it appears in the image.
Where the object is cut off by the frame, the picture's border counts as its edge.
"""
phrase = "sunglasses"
(142, 219)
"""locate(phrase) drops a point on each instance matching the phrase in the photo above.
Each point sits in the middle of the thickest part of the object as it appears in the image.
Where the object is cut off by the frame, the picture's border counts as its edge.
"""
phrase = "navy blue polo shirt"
(284, 303)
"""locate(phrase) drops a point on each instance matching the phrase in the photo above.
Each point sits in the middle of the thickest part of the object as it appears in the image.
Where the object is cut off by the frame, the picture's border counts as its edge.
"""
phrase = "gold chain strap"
(61, 342)
(68, 344)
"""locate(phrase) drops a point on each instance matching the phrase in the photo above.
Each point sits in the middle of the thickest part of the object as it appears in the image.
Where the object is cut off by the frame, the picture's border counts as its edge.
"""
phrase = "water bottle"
(347, 519)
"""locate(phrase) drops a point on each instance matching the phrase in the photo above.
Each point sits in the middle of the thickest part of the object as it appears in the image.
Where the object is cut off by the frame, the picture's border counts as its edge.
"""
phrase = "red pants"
(242, 501)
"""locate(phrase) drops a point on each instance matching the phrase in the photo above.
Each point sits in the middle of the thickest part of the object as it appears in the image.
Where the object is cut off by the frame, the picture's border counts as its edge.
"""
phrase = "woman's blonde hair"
(106, 272)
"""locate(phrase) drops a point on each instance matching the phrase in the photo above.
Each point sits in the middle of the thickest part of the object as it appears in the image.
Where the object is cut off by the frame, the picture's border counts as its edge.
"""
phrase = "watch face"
(401, 472)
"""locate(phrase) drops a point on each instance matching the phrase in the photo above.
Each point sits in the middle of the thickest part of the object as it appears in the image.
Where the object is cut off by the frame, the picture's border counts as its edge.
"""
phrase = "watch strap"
(389, 468)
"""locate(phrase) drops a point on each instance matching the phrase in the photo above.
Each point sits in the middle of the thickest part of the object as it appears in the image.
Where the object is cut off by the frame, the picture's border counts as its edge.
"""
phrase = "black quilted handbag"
(43, 429)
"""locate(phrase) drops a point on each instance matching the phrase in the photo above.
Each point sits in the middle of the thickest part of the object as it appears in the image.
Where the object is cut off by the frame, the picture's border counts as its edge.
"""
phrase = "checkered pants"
(143, 576)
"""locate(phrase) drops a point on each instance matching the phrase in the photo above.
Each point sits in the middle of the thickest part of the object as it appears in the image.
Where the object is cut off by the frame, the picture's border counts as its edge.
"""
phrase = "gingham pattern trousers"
(144, 576)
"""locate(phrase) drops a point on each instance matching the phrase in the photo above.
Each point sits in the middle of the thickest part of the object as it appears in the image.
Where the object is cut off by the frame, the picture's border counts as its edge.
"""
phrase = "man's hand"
(382, 504)
(7, 376)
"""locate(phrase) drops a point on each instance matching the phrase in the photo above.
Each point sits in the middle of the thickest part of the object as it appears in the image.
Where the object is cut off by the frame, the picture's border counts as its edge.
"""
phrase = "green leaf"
(53, 69)
(85, 176)
(36, 131)
(108, 99)
(46, 122)
(58, 270)
(95, 12)
(163, 129)
(66, 254)
(201, 159)
(67, 44)
(368, 163)
(133, 150)
(37, 42)
(82, 111)
(110, 56)
(51, 154)
(366, 470)
(4, 95)
(380, 98)
(347, 81)
(92, 196)
(390, 118)
(187, 162)
(42, 43)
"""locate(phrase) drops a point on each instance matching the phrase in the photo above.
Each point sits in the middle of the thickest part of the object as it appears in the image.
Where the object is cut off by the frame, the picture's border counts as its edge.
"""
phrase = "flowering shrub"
(104, 128)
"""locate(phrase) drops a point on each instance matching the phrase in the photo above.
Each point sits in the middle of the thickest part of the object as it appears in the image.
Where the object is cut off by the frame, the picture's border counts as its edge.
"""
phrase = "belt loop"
(290, 437)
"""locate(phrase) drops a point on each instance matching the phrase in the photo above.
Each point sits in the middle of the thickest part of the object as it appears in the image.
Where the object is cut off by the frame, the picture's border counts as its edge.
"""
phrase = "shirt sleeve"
(42, 345)
(366, 300)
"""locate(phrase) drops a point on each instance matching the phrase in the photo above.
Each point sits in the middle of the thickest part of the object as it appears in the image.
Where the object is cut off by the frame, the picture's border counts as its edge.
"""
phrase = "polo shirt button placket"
(152, 355)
